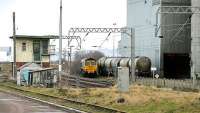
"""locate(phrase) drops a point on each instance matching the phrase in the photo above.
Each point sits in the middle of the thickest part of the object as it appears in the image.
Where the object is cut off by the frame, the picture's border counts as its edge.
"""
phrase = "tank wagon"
(108, 65)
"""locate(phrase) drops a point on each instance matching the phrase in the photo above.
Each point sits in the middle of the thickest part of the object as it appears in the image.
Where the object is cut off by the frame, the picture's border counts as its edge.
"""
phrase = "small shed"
(23, 72)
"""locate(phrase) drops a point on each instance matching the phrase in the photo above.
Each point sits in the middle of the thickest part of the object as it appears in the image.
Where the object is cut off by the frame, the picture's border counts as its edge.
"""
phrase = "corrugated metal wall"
(176, 37)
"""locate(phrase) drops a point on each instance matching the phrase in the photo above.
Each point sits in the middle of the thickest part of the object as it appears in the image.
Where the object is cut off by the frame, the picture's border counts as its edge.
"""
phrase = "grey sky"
(40, 17)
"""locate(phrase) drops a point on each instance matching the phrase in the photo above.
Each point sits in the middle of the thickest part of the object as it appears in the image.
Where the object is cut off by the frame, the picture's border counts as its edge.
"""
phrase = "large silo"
(170, 54)
(141, 17)
(176, 41)
(195, 45)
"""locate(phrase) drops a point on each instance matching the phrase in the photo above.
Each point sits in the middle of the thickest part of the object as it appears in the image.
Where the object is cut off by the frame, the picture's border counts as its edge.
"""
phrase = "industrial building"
(5, 54)
(173, 47)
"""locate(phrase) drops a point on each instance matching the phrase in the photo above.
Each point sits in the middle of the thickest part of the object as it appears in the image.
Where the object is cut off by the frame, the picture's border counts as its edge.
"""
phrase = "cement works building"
(176, 52)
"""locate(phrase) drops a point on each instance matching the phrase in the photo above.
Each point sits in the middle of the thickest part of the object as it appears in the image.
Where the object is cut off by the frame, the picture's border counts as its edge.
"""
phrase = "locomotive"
(88, 67)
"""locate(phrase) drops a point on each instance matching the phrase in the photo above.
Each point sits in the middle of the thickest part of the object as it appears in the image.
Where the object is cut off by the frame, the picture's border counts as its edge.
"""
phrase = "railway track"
(10, 103)
(87, 82)
(90, 108)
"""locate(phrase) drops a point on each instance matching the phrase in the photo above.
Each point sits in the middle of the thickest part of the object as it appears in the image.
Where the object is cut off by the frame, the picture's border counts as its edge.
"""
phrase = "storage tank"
(195, 44)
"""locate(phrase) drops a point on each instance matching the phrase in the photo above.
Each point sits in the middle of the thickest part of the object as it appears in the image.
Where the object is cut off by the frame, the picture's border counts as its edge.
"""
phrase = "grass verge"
(139, 99)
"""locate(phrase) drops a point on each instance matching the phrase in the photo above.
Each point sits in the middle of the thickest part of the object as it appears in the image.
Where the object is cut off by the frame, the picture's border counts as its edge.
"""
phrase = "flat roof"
(37, 37)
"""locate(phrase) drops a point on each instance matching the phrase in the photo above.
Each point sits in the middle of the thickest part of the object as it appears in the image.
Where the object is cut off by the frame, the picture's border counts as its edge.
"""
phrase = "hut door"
(36, 50)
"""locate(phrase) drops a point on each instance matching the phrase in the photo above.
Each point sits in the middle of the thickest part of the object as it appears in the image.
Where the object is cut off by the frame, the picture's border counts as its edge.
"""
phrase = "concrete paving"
(12, 104)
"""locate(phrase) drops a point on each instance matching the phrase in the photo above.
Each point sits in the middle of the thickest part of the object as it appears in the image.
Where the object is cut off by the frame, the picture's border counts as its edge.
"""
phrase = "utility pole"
(70, 59)
(14, 49)
(113, 46)
(133, 77)
(60, 44)
(114, 24)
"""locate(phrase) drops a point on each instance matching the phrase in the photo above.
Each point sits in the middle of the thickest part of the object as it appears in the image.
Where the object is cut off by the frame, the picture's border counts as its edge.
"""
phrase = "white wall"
(24, 56)
(141, 16)
(4, 57)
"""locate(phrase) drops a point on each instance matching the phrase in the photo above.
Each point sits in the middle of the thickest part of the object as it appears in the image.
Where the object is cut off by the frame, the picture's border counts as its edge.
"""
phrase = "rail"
(87, 82)
(65, 100)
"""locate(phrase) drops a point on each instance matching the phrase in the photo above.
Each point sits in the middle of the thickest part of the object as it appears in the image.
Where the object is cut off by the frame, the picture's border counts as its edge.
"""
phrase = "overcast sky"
(41, 17)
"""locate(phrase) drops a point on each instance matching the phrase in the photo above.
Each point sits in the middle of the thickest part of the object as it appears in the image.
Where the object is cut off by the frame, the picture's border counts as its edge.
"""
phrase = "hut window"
(45, 46)
(23, 46)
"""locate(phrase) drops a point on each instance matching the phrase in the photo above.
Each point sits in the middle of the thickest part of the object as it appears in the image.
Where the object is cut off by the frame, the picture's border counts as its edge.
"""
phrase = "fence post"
(174, 83)
(77, 80)
(164, 82)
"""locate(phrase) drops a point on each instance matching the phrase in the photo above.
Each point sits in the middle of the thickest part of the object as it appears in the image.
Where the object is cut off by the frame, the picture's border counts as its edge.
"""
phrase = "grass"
(139, 99)
(81, 107)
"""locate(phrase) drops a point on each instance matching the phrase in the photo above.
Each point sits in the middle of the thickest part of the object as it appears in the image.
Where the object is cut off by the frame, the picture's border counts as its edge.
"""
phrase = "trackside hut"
(32, 49)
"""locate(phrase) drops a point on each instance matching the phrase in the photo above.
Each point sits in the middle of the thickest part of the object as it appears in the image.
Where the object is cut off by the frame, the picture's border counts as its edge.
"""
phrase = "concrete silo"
(170, 54)
(195, 44)
(141, 17)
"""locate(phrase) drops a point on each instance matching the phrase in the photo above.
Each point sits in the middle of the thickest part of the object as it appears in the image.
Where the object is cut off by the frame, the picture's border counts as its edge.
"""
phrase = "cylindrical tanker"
(108, 62)
(108, 65)
(124, 62)
(114, 65)
(134, 62)
(115, 62)
(101, 68)
(142, 66)
(101, 61)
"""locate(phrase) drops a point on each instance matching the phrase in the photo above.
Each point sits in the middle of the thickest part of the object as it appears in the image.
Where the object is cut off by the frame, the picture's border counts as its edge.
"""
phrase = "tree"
(75, 68)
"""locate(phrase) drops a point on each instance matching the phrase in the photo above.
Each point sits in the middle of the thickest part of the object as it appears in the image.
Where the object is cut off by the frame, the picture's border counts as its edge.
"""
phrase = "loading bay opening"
(177, 65)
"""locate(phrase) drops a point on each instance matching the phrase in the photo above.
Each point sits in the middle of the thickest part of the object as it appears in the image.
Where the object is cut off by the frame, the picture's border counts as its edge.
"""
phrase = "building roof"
(36, 37)
(30, 65)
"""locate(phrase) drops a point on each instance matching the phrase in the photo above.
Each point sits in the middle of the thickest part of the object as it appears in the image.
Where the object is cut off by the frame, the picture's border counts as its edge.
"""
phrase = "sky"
(41, 17)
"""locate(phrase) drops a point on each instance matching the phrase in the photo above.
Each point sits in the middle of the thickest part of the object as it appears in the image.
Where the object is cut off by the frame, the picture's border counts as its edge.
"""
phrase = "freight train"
(108, 66)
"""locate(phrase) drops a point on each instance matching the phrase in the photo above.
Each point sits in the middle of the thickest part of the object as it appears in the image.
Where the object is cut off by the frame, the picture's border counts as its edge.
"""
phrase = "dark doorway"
(176, 65)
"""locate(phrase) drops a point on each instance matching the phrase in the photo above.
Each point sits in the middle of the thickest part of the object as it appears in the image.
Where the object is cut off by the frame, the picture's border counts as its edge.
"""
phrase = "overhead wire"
(105, 40)
(182, 27)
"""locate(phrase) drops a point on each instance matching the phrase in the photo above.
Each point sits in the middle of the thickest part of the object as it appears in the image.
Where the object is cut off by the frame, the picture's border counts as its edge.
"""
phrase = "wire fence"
(170, 83)
(77, 81)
